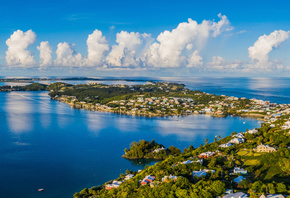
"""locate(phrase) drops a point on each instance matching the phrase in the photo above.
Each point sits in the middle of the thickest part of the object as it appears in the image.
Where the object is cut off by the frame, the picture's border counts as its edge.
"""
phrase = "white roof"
(198, 173)
(275, 196)
(236, 195)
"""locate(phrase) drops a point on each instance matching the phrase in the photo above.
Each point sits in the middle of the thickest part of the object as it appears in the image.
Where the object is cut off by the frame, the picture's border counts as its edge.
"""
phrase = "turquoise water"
(46, 144)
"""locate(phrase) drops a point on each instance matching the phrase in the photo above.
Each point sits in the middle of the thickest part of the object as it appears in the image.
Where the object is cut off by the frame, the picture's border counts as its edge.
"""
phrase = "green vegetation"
(267, 172)
(30, 87)
(149, 150)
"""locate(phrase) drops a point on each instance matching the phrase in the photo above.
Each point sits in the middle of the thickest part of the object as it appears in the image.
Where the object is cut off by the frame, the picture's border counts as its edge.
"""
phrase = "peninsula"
(158, 99)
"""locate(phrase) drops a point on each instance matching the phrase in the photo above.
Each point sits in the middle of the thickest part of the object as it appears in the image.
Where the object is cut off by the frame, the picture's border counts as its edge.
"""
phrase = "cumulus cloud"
(129, 44)
(166, 52)
(17, 53)
(66, 56)
(45, 53)
(195, 60)
(97, 48)
(264, 45)
(221, 64)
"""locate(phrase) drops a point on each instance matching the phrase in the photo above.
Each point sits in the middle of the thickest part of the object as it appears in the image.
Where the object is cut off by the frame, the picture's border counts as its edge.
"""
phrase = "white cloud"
(66, 56)
(17, 53)
(222, 25)
(264, 45)
(221, 64)
(167, 51)
(195, 60)
(97, 48)
(45, 53)
(128, 44)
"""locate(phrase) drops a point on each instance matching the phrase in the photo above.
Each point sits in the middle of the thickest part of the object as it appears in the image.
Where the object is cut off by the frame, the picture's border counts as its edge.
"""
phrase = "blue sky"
(72, 22)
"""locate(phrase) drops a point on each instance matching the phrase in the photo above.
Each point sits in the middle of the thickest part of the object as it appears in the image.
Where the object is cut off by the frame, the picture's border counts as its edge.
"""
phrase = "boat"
(40, 189)
(244, 122)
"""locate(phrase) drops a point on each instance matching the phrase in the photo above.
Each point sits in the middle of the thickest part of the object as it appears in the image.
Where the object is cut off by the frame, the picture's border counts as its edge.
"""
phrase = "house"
(129, 176)
(199, 161)
(226, 145)
(239, 135)
(272, 196)
(114, 184)
(186, 162)
(265, 148)
(238, 170)
(236, 195)
(239, 179)
(207, 154)
(170, 177)
(253, 131)
(201, 172)
(237, 140)
(157, 150)
(148, 179)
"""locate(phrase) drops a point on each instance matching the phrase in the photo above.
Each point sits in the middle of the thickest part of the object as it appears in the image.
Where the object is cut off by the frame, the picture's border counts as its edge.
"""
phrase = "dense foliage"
(146, 149)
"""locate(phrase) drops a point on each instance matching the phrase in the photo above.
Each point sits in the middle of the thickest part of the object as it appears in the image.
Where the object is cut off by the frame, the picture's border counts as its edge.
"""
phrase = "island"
(149, 150)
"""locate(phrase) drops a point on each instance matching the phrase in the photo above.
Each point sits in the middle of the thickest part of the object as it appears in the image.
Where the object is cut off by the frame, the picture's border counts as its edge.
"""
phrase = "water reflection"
(18, 108)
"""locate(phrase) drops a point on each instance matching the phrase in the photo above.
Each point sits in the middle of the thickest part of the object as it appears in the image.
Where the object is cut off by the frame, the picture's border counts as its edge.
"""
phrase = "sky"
(144, 38)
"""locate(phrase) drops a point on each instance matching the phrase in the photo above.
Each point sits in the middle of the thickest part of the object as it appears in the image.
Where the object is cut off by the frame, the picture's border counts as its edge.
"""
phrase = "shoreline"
(102, 109)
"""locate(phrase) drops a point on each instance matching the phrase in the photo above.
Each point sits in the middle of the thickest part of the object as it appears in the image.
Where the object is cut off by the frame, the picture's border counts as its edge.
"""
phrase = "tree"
(281, 188)
(271, 188)
(212, 163)
(257, 186)
(218, 187)
(284, 163)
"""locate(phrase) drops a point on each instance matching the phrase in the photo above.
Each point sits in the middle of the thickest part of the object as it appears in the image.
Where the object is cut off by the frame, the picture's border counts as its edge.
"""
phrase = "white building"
(226, 145)
(237, 140)
(253, 131)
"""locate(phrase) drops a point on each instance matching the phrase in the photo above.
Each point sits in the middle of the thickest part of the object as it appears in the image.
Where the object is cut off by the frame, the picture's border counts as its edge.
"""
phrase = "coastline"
(149, 114)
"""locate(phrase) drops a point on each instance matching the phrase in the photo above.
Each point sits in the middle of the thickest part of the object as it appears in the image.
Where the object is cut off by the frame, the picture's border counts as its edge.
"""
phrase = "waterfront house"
(129, 176)
(157, 150)
(114, 184)
(239, 135)
(265, 148)
(253, 131)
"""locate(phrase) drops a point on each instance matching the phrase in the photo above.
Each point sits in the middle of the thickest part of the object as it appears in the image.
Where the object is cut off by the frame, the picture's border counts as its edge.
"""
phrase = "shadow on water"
(143, 162)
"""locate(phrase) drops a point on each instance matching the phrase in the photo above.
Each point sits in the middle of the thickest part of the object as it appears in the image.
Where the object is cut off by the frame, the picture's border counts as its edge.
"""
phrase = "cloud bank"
(17, 53)
(167, 51)
(264, 45)
(181, 47)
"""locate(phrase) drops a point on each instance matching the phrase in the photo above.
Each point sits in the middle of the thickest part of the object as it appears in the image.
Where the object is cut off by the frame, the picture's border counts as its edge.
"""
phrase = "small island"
(149, 150)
